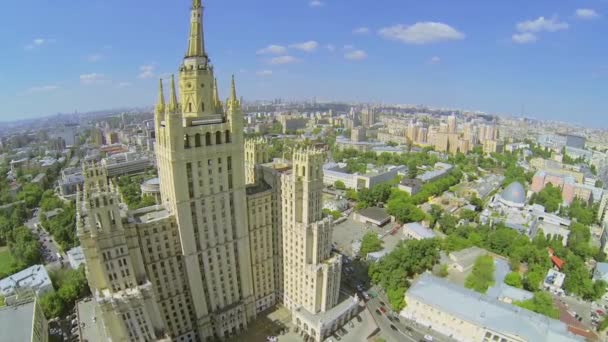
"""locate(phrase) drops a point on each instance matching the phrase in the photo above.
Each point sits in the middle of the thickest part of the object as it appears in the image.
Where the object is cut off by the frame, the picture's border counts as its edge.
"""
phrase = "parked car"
(428, 337)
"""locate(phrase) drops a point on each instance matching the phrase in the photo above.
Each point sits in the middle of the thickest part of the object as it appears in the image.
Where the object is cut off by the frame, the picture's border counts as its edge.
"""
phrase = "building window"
(208, 139)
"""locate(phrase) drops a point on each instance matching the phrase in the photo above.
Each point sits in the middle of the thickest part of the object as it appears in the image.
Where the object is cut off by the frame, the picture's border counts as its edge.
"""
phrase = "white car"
(428, 338)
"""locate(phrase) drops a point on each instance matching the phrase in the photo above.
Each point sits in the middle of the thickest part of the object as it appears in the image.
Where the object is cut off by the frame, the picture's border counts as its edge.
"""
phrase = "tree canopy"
(370, 243)
(408, 259)
(550, 197)
(482, 276)
(541, 303)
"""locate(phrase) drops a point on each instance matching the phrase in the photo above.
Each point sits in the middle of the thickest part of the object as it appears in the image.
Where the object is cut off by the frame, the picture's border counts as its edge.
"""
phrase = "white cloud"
(94, 58)
(146, 71)
(316, 3)
(283, 60)
(92, 78)
(42, 89)
(421, 33)
(124, 85)
(586, 13)
(264, 73)
(348, 47)
(524, 38)
(272, 50)
(361, 30)
(330, 47)
(542, 24)
(38, 42)
(356, 55)
(435, 60)
(308, 46)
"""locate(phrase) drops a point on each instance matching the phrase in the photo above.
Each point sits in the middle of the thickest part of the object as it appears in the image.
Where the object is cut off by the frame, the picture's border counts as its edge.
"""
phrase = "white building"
(333, 172)
(466, 315)
(416, 231)
(554, 281)
(76, 257)
(34, 278)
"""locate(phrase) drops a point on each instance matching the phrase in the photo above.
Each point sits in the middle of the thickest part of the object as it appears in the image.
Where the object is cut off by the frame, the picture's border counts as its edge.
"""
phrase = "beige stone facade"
(233, 235)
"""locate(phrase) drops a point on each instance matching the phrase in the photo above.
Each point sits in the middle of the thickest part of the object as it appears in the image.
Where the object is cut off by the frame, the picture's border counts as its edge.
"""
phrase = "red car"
(600, 312)
(383, 309)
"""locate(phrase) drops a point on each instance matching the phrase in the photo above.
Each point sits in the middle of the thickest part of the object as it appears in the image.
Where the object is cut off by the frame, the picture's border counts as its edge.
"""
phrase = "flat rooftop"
(16, 322)
(488, 312)
(90, 322)
(150, 214)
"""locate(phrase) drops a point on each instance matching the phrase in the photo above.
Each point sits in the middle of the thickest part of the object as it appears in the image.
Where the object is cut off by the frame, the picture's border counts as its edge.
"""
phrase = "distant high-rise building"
(368, 117)
(452, 125)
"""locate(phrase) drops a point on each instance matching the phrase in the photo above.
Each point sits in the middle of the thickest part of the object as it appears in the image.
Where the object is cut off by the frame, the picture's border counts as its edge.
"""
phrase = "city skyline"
(544, 57)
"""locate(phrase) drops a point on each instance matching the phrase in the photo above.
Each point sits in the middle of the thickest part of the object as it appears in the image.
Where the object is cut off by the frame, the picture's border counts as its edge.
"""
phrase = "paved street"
(49, 246)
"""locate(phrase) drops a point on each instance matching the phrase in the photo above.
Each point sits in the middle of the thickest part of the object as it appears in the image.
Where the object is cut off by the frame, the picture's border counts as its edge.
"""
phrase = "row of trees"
(23, 245)
(394, 271)
(63, 225)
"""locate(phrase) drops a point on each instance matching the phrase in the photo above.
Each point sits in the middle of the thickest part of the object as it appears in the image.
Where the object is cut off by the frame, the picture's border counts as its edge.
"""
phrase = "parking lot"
(349, 231)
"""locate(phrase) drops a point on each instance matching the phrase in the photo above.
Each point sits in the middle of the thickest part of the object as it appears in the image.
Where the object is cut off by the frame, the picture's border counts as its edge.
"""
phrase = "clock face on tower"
(188, 85)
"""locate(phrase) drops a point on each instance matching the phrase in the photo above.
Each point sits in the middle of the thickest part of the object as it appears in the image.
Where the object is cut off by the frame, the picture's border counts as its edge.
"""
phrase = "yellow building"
(200, 265)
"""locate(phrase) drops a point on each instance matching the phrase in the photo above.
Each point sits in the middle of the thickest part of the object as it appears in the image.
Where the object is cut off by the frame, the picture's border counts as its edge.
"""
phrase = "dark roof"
(257, 188)
(375, 213)
(411, 182)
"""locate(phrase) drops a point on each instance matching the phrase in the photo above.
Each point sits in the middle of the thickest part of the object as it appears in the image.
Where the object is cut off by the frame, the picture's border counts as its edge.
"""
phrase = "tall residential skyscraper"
(234, 234)
(452, 125)
(200, 161)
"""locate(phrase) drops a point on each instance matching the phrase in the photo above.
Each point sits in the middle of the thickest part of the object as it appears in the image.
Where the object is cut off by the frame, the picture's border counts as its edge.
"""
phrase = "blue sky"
(494, 56)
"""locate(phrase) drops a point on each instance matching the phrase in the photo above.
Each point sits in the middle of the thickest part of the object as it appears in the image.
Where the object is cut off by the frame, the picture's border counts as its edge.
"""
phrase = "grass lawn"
(6, 260)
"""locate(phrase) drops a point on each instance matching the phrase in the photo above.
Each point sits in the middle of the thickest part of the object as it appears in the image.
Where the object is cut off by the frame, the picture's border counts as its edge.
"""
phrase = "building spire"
(216, 97)
(233, 97)
(160, 105)
(161, 93)
(196, 42)
(173, 96)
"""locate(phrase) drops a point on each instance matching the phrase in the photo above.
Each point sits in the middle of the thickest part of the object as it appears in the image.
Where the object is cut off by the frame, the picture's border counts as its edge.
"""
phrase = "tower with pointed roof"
(201, 168)
(204, 262)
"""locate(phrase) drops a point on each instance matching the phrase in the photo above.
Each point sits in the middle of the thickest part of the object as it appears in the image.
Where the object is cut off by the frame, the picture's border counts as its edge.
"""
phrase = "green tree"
(25, 247)
(514, 279)
(533, 278)
(442, 271)
(340, 185)
(482, 276)
(412, 169)
(603, 324)
(550, 197)
(435, 214)
(541, 303)
(370, 243)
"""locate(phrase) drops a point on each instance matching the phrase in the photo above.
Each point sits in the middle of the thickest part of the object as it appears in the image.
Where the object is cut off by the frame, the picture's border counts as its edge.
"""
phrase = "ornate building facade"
(234, 234)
